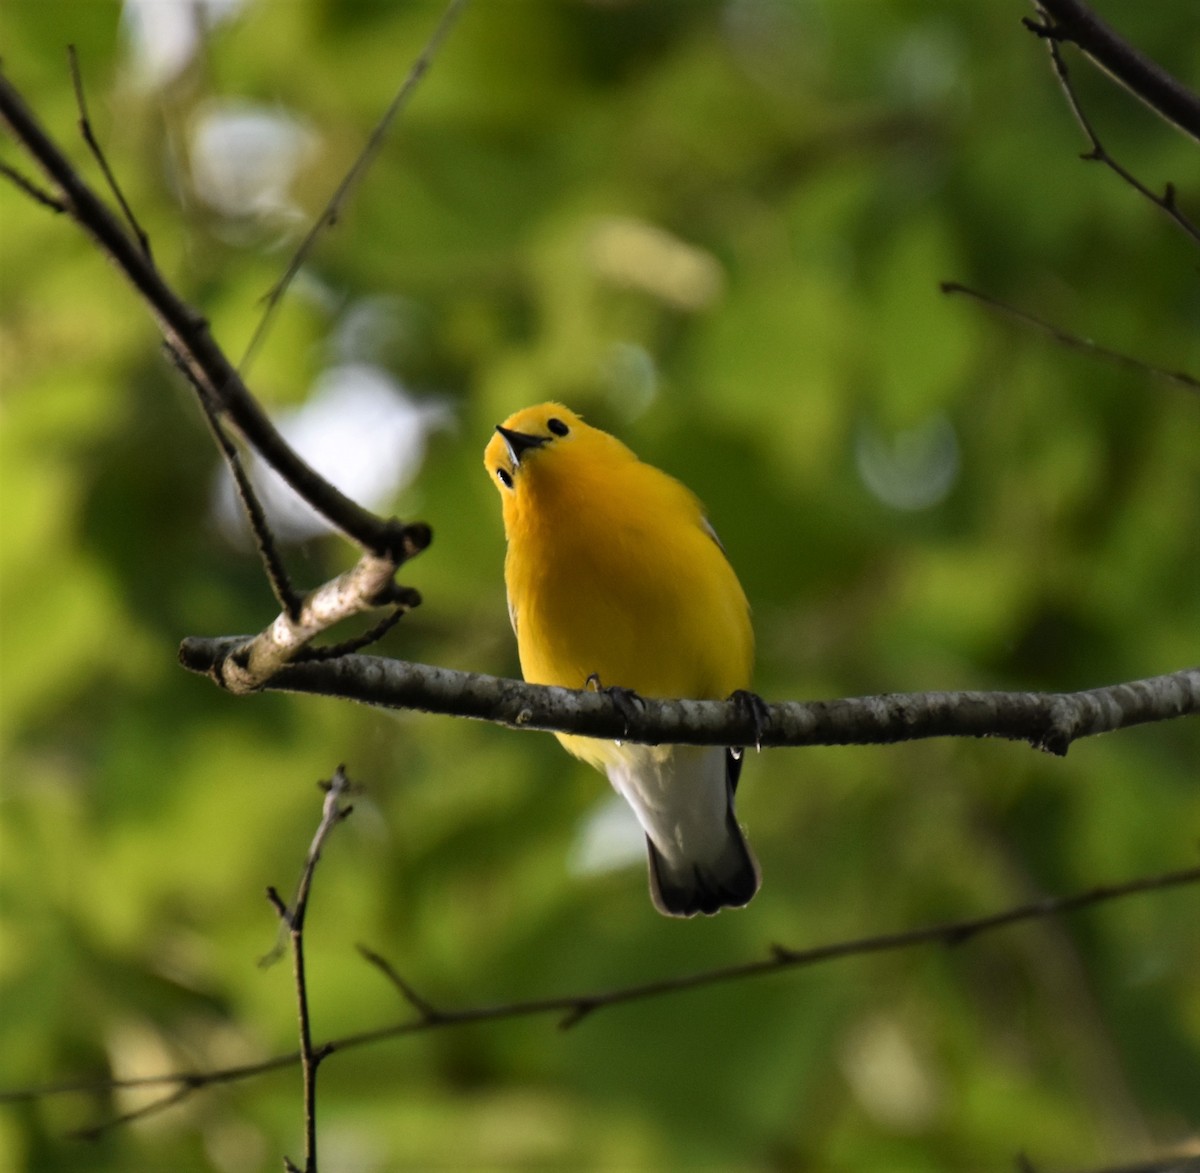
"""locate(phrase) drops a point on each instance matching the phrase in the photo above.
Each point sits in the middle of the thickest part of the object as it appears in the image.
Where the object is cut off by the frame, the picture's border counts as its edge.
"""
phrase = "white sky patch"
(631, 374)
(165, 34)
(609, 838)
(360, 430)
(912, 469)
(244, 159)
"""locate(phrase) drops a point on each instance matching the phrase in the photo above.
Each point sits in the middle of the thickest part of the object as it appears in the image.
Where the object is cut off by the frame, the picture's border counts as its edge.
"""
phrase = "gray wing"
(712, 533)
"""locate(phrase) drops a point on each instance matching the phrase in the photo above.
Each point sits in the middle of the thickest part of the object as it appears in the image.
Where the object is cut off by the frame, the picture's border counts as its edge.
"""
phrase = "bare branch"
(85, 129)
(1074, 21)
(1073, 341)
(187, 334)
(161, 1104)
(1098, 153)
(572, 1008)
(367, 585)
(264, 539)
(350, 646)
(332, 210)
(1048, 721)
(1185, 1159)
(426, 1009)
(332, 813)
(31, 189)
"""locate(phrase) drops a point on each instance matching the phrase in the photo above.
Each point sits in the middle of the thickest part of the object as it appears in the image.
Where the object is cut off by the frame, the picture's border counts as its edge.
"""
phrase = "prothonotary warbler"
(616, 578)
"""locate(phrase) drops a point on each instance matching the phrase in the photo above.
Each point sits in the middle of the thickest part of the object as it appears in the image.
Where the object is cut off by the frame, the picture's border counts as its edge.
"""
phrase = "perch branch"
(1049, 721)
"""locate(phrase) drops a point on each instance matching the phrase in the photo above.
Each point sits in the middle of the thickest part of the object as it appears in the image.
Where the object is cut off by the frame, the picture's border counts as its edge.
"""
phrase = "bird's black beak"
(519, 443)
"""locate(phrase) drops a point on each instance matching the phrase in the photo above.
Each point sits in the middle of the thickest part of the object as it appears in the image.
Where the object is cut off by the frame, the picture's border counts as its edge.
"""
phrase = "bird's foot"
(755, 709)
(625, 700)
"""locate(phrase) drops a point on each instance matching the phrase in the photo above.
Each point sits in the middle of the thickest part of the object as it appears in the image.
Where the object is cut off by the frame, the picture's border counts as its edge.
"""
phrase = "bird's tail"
(729, 880)
(683, 798)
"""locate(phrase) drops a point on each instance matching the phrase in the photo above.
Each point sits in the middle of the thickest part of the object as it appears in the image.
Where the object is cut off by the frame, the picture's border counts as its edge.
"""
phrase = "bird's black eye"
(557, 426)
(504, 478)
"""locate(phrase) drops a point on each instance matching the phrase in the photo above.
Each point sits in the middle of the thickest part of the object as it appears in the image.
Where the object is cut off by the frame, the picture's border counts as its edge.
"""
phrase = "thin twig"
(31, 189)
(426, 1009)
(1073, 341)
(264, 540)
(1183, 1158)
(572, 1008)
(1167, 202)
(332, 813)
(349, 646)
(332, 210)
(85, 128)
(161, 1104)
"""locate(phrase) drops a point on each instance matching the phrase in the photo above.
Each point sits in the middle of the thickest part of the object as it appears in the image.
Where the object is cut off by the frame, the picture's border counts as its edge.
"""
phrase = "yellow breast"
(613, 571)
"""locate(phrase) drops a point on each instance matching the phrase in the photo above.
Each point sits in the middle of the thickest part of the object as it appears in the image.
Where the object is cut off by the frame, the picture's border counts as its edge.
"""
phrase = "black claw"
(755, 709)
(625, 700)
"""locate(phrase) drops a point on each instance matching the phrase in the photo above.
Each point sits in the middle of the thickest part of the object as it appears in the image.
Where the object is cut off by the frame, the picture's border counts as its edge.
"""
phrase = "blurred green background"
(717, 229)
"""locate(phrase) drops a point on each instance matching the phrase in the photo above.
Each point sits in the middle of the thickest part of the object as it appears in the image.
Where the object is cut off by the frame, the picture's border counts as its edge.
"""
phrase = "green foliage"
(718, 229)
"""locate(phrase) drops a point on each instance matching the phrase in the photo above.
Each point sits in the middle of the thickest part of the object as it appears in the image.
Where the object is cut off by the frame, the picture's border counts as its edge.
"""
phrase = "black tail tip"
(732, 883)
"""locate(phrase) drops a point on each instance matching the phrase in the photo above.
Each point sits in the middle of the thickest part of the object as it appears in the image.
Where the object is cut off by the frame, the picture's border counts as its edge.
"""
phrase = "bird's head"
(534, 438)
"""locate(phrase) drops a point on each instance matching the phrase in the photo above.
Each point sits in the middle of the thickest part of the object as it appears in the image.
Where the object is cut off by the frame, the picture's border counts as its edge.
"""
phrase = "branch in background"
(31, 189)
(1183, 1158)
(572, 1008)
(1074, 342)
(222, 394)
(264, 540)
(85, 129)
(1074, 21)
(1055, 31)
(332, 813)
(1049, 721)
(332, 210)
(188, 336)
(369, 584)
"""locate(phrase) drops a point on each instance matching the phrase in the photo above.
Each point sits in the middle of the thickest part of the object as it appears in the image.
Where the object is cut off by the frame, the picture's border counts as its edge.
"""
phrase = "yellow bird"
(616, 578)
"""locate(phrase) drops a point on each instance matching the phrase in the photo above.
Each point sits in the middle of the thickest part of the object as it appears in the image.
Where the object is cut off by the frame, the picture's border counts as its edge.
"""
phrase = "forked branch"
(1075, 21)
(187, 334)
